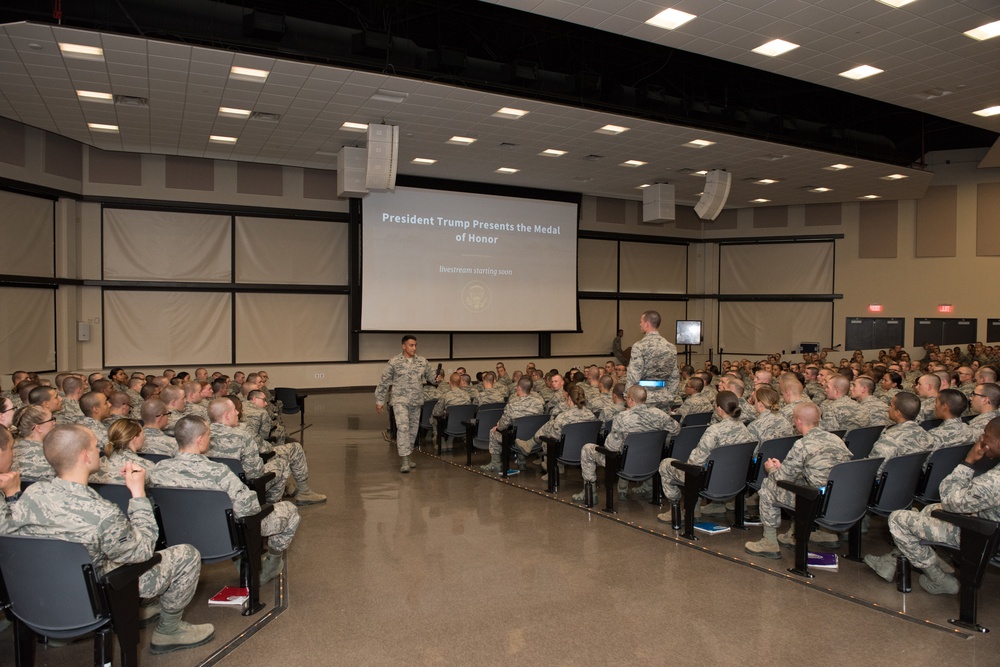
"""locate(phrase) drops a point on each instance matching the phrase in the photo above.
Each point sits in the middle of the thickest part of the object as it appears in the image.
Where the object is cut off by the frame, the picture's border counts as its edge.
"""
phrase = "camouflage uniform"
(876, 410)
(887, 396)
(517, 406)
(608, 413)
(235, 388)
(554, 427)
(808, 462)
(770, 425)
(30, 461)
(491, 395)
(953, 432)
(960, 492)
(842, 414)
(198, 409)
(653, 358)
(696, 404)
(407, 378)
(455, 396)
(556, 404)
(728, 432)
(641, 418)
(98, 428)
(979, 422)
(172, 418)
(788, 409)
(899, 439)
(234, 443)
(111, 467)
(75, 513)
(599, 402)
(967, 388)
(158, 442)
(136, 399)
(193, 471)
(815, 392)
(927, 406)
(70, 413)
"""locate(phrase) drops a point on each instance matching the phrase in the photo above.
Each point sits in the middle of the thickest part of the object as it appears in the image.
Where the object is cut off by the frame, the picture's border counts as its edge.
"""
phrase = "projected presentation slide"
(435, 260)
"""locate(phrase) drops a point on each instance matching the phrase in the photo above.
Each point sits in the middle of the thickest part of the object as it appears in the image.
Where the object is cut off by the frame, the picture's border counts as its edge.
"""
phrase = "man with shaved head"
(839, 411)
(229, 441)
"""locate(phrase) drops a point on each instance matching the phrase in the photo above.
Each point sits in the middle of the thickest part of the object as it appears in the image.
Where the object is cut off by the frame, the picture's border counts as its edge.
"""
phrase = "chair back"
(426, 411)
(847, 492)
(574, 437)
(939, 465)
(840, 433)
(968, 418)
(492, 406)
(641, 455)
(897, 483)
(51, 585)
(727, 470)
(457, 414)
(153, 458)
(928, 424)
(235, 465)
(486, 419)
(526, 427)
(861, 440)
(697, 419)
(115, 493)
(201, 518)
(289, 400)
(685, 441)
(777, 448)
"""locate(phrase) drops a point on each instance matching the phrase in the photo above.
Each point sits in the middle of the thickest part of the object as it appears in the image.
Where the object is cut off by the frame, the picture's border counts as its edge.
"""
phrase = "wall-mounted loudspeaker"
(352, 165)
(658, 203)
(383, 146)
(717, 184)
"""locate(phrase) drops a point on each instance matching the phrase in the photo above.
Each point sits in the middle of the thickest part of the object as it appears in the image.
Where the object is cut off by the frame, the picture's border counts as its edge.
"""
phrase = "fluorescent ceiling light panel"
(462, 141)
(766, 181)
(247, 74)
(819, 189)
(391, 96)
(988, 111)
(759, 201)
(894, 177)
(612, 129)
(81, 51)
(702, 172)
(987, 31)
(219, 139)
(870, 197)
(699, 143)
(95, 96)
(644, 185)
(233, 112)
(101, 127)
(552, 152)
(632, 163)
(670, 19)
(423, 160)
(354, 127)
(507, 170)
(775, 47)
(861, 72)
(896, 3)
(509, 112)
(837, 167)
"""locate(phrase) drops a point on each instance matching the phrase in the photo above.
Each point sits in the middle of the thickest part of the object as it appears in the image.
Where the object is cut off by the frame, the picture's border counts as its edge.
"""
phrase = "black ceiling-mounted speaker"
(717, 184)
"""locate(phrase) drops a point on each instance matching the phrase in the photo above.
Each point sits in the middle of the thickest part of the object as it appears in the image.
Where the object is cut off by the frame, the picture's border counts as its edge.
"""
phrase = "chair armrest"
(256, 519)
(267, 456)
(122, 576)
(687, 467)
(966, 522)
(809, 492)
(470, 423)
(604, 450)
(259, 485)
(548, 440)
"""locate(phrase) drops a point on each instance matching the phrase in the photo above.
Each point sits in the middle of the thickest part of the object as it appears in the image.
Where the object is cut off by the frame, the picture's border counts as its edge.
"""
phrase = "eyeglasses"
(11, 409)
(979, 395)
(47, 421)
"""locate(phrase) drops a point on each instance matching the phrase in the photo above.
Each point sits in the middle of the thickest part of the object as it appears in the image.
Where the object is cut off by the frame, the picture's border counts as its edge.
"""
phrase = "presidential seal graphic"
(476, 296)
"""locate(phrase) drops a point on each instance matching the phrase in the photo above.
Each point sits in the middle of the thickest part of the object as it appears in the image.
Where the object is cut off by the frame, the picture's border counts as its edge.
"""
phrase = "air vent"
(130, 101)
(505, 146)
(265, 116)
(594, 158)
(772, 157)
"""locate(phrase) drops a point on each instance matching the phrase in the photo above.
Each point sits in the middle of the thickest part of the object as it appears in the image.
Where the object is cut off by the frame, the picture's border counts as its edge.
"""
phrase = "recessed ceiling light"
(894, 177)
(101, 127)
(552, 152)
(354, 127)
(391, 96)
(612, 129)
(94, 96)
(81, 51)
(247, 74)
(821, 189)
(699, 173)
(423, 160)
(632, 163)
(988, 111)
(837, 167)
(507, 170)
(759, 200)
(895, 3)
(219, 139)
(462, 141)
(508, 112)
(234, 112)
(987, 31)
(765, 181)
(640, 187)
(670, 19)
(775, 48)
(861, 72)
(699, 143)
(870, 197)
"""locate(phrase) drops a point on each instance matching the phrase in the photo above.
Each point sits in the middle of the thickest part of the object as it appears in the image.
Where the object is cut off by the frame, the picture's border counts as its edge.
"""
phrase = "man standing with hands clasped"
(406, 375)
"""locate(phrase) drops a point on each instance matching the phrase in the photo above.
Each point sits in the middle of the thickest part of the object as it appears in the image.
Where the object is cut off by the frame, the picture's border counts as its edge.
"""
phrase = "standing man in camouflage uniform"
(524, 403)
(406, 375)
(961, 492)
(190, 469)
(637, 418)
(808, 462)
(653, 358)
(66, 508)
(905, 436)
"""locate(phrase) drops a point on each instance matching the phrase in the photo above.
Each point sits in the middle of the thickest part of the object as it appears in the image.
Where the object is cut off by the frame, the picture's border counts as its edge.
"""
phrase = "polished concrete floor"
(447, 566)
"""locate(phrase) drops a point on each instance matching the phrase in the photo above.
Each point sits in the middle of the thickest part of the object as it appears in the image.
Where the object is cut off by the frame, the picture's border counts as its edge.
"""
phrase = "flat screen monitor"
(689, 332)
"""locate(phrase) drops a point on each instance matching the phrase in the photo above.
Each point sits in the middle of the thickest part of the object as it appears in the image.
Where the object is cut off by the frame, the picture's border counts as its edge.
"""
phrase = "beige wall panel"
(937, 221)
